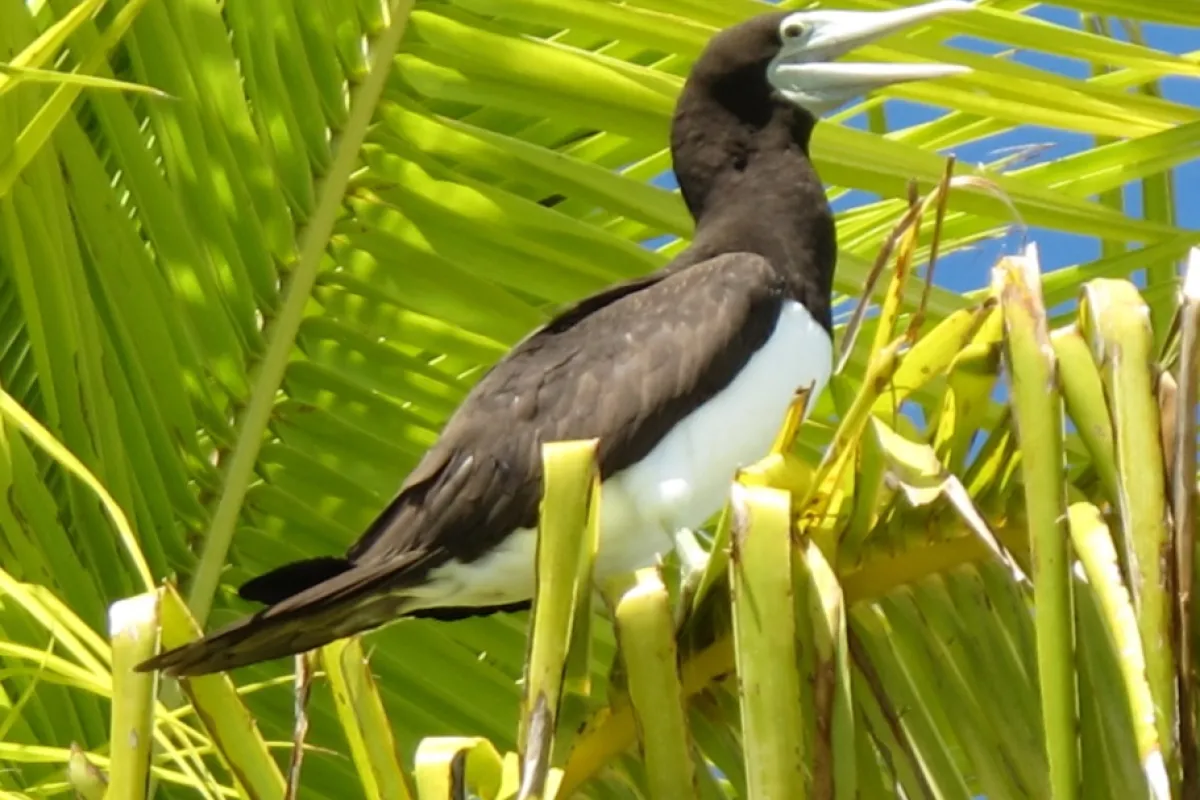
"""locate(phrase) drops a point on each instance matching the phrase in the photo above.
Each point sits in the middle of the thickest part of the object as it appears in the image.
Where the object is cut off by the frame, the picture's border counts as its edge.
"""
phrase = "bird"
(682, 376)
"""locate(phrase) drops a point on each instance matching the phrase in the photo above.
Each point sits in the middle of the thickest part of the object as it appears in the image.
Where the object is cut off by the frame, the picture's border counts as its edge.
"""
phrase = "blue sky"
(969, 270)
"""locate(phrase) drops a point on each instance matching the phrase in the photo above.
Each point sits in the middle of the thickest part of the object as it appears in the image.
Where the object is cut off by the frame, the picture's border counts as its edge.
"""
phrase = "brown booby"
(683, 376)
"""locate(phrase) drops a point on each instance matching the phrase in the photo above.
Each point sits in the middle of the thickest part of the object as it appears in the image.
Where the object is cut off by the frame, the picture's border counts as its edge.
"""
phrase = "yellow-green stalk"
(364, 720)
(1083, 391)
(1039, 418)
(1183, 495)
(834, 767)
(764, 631)
(133, 628)
(568, 534)
(645, 633)
(1094, 544)
(893, 299)
(1117, 324)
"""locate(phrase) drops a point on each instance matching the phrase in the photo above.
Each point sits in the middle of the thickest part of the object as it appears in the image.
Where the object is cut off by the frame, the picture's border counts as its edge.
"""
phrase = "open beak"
(805, 72)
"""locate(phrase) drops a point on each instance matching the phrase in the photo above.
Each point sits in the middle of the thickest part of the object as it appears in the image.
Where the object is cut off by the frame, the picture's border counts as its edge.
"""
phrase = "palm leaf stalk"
(1038, 412)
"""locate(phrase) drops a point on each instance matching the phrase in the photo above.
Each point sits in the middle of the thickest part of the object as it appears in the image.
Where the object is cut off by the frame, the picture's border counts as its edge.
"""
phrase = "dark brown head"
(733, 67)
(758, 86)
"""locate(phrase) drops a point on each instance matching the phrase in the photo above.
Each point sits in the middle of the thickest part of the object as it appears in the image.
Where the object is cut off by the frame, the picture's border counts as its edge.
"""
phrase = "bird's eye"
(793, 30)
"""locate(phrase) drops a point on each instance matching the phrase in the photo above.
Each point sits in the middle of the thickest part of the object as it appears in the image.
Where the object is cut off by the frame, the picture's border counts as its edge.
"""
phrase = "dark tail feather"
(291, 579)
(359, 598)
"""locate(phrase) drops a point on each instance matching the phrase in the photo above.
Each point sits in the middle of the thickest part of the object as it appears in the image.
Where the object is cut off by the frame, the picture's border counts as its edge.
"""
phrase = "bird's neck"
(747, 179)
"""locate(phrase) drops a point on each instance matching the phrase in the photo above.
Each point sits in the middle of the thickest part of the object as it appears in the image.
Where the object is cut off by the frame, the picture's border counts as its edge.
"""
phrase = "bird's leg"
(692, 556)
(693, 559)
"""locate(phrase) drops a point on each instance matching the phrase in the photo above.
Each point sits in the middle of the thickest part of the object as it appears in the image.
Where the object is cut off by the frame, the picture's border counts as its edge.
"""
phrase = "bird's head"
(797, 51)
(753, 96)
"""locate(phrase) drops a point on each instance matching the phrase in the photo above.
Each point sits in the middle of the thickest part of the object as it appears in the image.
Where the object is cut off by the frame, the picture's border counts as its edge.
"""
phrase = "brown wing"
(621, 366)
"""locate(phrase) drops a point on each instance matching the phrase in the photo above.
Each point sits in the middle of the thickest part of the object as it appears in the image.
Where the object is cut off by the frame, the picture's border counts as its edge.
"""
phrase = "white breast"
(680, 484)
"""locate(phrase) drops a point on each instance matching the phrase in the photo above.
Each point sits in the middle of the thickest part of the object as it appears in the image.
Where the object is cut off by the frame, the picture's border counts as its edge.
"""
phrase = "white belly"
(681, 483)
